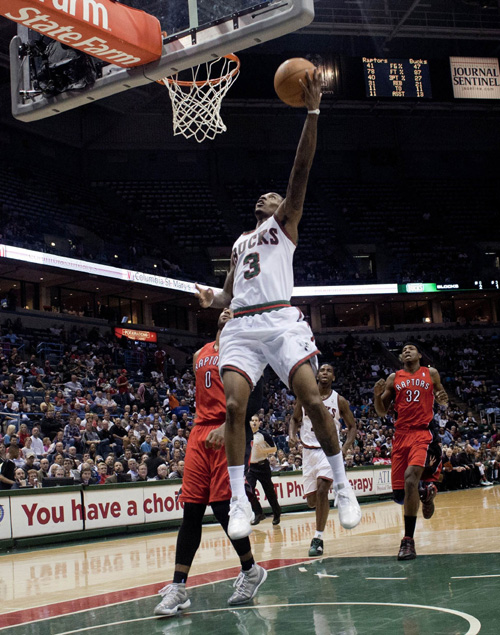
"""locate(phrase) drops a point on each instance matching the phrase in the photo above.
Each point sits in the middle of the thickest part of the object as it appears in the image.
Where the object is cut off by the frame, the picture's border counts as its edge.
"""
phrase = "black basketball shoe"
(407, 549)
(316, 548)
(427, 493)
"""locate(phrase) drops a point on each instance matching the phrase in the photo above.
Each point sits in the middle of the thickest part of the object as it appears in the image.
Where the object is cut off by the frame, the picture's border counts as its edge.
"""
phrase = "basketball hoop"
(196, 101)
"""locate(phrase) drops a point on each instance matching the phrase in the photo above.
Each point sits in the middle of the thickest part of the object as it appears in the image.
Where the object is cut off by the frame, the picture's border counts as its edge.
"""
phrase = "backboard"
(194, 31)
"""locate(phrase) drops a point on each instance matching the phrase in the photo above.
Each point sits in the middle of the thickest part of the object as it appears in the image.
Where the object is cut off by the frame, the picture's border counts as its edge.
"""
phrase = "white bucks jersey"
(263, 273)
(307, 436)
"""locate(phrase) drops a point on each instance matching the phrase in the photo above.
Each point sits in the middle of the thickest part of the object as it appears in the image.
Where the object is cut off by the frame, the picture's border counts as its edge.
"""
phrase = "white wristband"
(314, 112)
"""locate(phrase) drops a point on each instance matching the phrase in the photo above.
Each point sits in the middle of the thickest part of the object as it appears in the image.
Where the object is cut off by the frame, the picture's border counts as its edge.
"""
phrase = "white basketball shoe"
(348, 506)
(240, 517)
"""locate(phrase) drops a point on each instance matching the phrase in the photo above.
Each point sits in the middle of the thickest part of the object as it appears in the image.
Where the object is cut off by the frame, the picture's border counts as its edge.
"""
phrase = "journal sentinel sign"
(475, 77)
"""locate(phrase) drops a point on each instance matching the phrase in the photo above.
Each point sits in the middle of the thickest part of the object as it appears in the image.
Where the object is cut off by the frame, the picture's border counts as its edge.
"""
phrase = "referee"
(260, 470)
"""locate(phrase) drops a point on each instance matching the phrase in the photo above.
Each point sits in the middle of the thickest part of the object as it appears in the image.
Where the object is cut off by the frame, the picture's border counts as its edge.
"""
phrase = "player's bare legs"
(411, 505)
(412, 499)
(307, 391)
(319, 500)
(237, 391)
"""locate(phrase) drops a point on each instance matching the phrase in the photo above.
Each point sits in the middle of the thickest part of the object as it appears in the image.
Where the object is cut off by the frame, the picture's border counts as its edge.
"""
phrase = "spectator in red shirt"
(123, 388)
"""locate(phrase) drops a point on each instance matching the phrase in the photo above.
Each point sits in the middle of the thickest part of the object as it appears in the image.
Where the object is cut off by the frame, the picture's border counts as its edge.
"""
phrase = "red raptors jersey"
(210, 399)
(414, 399)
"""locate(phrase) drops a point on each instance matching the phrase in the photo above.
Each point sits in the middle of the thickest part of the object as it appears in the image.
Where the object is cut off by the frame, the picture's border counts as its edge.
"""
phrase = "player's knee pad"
(189, 536)
(398, 496)
(193, 514)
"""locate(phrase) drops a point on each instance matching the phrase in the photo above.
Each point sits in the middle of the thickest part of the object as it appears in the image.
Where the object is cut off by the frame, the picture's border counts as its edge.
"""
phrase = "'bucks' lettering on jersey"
(263, 262)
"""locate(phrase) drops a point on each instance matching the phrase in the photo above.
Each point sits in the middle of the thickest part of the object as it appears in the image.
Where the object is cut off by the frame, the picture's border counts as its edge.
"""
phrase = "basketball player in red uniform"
(206, 482)
(413, 390)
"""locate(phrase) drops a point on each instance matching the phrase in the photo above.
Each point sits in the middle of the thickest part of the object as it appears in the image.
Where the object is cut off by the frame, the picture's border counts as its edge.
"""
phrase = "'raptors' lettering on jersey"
(268, 249)
(210, 399)
(209, 360)
(414, 399)
(307, 436)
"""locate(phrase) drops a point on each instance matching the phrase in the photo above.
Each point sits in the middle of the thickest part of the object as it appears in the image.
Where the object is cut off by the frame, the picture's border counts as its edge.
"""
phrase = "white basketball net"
(196, 102)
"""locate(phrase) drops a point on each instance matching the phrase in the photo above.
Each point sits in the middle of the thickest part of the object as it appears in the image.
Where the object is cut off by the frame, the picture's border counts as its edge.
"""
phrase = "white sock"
(318, 534)
(237, 479)
(337, 464)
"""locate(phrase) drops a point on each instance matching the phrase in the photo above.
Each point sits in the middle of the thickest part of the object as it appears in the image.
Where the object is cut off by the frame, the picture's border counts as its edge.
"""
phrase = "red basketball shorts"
(206, 479)
(409, 448)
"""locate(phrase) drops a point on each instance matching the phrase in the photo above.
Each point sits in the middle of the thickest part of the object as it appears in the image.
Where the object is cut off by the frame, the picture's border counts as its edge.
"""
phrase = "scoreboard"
(397, 78)
(470, 284)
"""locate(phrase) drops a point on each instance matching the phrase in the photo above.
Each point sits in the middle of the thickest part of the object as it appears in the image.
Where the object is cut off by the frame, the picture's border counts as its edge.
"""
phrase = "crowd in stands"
(83, 416)
(27, 197)
(183, 218)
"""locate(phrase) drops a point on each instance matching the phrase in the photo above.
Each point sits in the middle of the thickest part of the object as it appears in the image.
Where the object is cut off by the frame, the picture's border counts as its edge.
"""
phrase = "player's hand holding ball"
(311, 85)
(297, 83)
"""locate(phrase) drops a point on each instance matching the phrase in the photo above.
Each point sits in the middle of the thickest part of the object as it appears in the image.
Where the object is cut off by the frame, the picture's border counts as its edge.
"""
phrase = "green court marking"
(368, 597)
(474, 624)
(474, 577)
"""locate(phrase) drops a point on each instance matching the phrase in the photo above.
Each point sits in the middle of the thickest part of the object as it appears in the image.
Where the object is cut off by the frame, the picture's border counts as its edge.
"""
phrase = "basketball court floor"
(357, 588)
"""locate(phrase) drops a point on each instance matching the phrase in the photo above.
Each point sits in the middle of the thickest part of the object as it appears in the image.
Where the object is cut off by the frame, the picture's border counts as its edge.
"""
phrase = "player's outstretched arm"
(350, 421)
(440, 393)
(207, 298)
(295, 422)
(289, 212)
(383, 394)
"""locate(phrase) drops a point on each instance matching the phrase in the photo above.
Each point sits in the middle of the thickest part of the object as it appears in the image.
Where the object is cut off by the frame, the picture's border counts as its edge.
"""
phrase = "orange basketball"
(287, 78)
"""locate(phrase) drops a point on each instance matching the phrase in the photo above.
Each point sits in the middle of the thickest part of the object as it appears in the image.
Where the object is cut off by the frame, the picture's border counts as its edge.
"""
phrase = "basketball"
(287, 80)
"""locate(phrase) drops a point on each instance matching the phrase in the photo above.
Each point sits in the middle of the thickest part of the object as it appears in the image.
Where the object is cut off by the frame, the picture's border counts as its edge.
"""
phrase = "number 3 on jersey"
(412, 395)
(253, 260)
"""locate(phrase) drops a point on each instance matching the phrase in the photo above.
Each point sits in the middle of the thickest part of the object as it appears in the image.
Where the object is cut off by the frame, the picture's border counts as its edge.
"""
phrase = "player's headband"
(412, 344)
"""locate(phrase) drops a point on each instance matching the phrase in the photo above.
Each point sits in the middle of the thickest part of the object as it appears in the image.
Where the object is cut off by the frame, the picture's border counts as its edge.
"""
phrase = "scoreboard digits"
(397, 78)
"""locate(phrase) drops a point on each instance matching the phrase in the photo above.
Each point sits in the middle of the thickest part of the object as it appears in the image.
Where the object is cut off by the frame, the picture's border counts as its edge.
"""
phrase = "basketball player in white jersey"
(317, 473)
(266, 329)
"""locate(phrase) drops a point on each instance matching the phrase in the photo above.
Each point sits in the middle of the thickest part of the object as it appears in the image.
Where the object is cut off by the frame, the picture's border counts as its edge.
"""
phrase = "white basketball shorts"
(280, 338)
(314, 465)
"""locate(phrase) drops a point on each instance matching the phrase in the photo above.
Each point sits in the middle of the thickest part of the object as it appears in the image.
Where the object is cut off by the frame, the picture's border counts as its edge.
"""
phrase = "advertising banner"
(109, 30)
(121, 506)
(162, 503)
(113, 507)
(382, 480)
(290, 491)
(53, 513)
(5, 528)
(137, 336)
(132, 506)
(94, 268)
(475, 77)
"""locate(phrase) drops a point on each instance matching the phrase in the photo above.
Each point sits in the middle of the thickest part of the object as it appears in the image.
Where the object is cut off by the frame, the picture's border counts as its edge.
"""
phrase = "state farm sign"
(111, 31)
